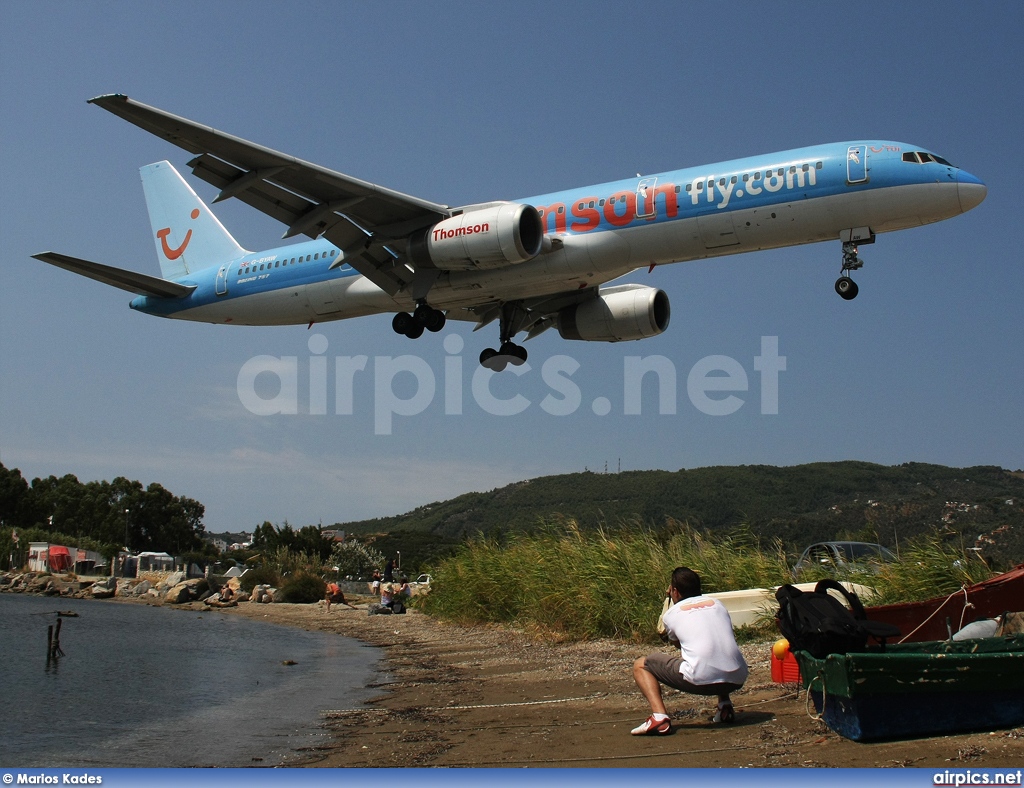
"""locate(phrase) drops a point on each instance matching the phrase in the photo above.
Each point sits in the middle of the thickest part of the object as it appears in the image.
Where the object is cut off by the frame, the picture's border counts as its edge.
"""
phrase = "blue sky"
(461, 103)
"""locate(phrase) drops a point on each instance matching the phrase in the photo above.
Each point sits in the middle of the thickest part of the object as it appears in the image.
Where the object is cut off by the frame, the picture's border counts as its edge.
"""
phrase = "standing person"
(389, 571)
(709, 662)
(375, 582)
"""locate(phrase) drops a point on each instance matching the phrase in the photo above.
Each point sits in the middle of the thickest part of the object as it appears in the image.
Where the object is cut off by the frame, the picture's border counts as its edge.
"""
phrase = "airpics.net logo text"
(406, 386)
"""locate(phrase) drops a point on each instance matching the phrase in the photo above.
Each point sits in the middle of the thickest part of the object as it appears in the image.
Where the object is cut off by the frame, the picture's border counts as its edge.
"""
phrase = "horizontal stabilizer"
(142, 284)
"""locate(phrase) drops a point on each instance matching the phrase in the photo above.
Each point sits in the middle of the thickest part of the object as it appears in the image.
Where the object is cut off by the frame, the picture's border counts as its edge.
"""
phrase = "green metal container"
(919, 689)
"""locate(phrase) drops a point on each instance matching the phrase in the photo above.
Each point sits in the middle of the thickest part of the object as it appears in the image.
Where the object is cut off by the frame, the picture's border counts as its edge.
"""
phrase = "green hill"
(981, 506)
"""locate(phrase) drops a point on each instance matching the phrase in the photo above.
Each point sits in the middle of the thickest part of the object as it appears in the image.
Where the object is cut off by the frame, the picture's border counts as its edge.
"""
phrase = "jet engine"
(617, 314)
(486, 236)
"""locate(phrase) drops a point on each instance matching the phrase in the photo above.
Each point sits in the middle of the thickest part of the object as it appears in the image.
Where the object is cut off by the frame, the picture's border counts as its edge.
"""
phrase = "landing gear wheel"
(516, 353)
(415, 330)
(432, 319)
(846, 288)
(492, 360)
(401, 322)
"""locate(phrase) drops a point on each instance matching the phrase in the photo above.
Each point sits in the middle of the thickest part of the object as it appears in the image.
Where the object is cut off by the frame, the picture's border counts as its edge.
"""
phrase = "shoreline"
(490, 696)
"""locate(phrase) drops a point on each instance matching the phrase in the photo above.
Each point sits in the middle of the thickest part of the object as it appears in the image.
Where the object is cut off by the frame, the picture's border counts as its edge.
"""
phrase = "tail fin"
(188, 236)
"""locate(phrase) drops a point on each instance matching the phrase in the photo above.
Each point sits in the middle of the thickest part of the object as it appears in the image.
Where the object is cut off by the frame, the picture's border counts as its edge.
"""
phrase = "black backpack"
(818, 623)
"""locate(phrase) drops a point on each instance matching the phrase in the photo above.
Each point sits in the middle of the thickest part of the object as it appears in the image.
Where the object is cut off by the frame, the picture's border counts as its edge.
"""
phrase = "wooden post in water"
(53, 648)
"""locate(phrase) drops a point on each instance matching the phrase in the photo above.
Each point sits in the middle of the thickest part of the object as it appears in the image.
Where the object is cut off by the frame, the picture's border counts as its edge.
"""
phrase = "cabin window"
(316, 256)
(818, 165)
(806, 167)
(689, 187)
(757, 176)
(307, 258)
(561, 209)
(700, 186)
(746, 177)
(792, 170)
(733, 179)
(677, 190)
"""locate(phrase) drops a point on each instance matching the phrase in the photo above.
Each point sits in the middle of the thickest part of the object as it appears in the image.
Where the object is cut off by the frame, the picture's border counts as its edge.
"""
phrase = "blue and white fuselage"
(532, 263)
(763, 202)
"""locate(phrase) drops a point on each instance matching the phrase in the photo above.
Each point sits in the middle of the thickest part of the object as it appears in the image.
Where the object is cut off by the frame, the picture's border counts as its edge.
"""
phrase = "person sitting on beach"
(335, 595)
(404, 589)
(225, 593)
(710, 662)
(387, 595)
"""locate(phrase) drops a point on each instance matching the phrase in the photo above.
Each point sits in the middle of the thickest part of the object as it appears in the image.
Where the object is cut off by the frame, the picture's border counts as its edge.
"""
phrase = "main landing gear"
(845, 286)
(511, 319)
(425, 317)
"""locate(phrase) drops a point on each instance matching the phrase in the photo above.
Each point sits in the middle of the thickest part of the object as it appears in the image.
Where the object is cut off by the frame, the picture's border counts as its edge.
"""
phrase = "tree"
(355, 560)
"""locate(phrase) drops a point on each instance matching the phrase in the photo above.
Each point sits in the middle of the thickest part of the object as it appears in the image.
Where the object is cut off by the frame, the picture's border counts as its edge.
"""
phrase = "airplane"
(530, 264)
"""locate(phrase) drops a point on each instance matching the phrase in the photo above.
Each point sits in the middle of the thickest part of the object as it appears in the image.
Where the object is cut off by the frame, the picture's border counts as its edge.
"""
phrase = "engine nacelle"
(489, 236)
(617, 314)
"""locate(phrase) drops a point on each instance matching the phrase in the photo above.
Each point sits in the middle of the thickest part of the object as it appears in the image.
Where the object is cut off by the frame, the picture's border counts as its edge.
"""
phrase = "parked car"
(840, 557)
(420, 586)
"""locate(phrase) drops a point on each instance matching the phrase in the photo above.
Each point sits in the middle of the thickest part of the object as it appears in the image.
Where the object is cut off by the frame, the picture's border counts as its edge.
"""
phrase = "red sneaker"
(653, 727)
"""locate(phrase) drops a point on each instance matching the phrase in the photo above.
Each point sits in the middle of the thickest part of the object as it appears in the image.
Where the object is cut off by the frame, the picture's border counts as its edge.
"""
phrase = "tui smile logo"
(174, 254)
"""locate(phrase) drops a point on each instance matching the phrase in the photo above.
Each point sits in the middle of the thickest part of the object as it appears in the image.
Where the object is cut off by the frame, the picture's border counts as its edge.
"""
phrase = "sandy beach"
(490, 696)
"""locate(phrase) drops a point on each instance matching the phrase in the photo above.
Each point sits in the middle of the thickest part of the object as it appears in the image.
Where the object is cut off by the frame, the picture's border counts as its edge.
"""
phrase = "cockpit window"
(920, 157)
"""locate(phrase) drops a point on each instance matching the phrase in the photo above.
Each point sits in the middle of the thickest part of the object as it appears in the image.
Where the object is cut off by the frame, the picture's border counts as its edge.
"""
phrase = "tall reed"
(589, 584)
(611, 582)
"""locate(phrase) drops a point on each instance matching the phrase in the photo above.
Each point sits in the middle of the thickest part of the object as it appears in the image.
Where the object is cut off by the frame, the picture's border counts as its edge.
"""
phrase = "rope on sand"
(477, 706)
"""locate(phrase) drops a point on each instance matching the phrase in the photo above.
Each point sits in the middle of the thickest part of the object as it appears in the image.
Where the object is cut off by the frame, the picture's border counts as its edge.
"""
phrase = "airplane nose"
(970, 190)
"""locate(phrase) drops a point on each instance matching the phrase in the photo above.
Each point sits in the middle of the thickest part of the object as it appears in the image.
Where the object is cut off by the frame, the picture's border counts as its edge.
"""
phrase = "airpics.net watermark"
(712, 384)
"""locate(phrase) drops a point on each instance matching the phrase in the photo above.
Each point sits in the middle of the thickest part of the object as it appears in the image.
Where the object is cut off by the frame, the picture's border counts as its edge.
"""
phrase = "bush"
(264, 575)
(303, 588)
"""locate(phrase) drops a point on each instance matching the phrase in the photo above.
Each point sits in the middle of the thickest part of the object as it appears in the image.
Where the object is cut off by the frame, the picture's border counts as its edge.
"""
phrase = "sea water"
(152, 686)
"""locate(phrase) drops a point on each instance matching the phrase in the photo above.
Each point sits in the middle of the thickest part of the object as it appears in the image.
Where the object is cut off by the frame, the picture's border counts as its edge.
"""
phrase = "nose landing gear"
(845, 286)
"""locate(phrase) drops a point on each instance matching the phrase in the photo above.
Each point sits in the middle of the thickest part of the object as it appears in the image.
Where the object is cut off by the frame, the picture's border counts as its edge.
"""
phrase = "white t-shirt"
(708, 648)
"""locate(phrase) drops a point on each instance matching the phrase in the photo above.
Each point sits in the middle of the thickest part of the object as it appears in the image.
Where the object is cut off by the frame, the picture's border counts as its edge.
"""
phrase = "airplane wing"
(141, 284)
(369, 223)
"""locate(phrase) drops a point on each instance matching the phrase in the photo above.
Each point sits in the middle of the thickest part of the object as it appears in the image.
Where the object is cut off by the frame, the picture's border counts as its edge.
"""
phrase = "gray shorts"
(666, 670)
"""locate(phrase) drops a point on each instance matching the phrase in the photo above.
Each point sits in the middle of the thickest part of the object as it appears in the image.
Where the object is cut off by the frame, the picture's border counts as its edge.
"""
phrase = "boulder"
(179, 594)
(38, 584)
